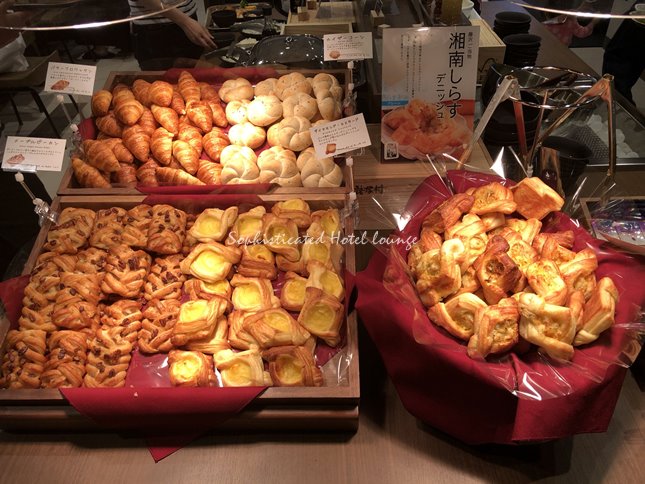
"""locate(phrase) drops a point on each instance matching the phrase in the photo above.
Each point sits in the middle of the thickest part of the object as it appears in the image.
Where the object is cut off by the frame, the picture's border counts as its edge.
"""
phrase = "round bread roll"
(300, 104)
(266, 87)
(294, 134)
(264, 110)
(236, 111)
(235, 90)
(272, 135)
(316, 172)
(290, 84)
(239, 165)
(278, 165)
(247, 134)
(318, 122)
(329, 96)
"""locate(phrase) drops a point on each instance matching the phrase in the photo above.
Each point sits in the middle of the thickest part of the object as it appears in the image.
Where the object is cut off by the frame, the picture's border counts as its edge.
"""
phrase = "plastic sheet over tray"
(531, 377)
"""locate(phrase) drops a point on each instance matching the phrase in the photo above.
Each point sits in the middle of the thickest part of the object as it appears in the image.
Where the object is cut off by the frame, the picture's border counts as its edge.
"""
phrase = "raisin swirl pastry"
(52, 264)
(167, 230)
(76, 303)
(165, 279)
(91, 261)
(37, 319)
(65, 366)
(156, 329)
(124, 313)
(72, 232)
(108, 358)
(108, 228)
(137, 225)
(126, 271)
(24, 360)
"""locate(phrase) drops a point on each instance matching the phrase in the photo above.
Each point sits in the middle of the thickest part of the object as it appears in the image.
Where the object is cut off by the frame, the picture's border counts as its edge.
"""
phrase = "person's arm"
(16, 19)
(196, 33)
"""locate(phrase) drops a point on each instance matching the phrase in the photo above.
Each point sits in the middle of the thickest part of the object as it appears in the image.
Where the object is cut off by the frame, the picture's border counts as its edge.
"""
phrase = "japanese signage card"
(342, 136)
(428, 101)
(27, 154)
(346, 47)
(70, 78)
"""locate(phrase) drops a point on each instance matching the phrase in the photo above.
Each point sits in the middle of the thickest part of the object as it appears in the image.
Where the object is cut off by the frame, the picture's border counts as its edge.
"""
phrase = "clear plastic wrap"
(527, 372)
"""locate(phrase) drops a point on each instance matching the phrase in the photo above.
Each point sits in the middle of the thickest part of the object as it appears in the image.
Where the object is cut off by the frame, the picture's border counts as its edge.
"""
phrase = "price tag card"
(342, 136)
(70, 78)
(346, 47)
(27, 154)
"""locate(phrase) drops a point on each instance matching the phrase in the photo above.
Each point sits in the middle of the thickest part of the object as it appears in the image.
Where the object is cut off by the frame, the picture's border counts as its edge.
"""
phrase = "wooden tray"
(310, 408)
(69, 185)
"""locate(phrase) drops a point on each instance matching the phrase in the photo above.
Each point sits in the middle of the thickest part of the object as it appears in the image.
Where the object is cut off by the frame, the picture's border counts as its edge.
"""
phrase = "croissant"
(173, 176)
(599, 312)
(99, 154)
(165, 278)
(291, 366)
(109, 125)
(126, 176)
(88, 176)
(219, 115)
(192, 136)
(160, 317)
(190, 369)
(186, 155)
(167, 230)
(138, 142)
(201, 115)
(128, 111)
(243, 369)
(322, 316)
(188, 87)
(208, 92)
(101, 102)
(147, 173)
(209, 173)
(161, 145)
(147, 122)
(121, 93)
(214, 142)
(166, 117)
(197, 320)
(160, 93)
(121, 153)
(177, 103)
(141, 91)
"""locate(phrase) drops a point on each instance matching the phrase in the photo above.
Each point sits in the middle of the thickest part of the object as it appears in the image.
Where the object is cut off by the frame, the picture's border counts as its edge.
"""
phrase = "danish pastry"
(496, 271)
(257, 261)
(65, 366)
(280, 235)
(190, 369)
(599, 312)
(253, 294)
(40, 318)
(108, 228)
(197, 320)
(24, 360)
(448, 213)
(159, 319)
(165, 279)
(535, 199)
(76, 302)
(125, 272)
(210, 262)
(247, 228)
(72, 231)
(328, 221)
(167, 230)
(322, 277)
(495, 329)
(493, 198)
(322, 316)
(108, 358)
(213, 224)
(438, 272)
(292, 296)
(579, 272)
(137, 225)
(275, 327)
(237, 336)
(294, 209)
(215, 343)
(545, 279)
(198, 289)
(293, 366)
(243, 369)
(125, 314)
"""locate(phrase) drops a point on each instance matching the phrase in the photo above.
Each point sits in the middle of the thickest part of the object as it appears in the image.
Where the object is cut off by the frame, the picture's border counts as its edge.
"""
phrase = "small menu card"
(342, 136)
(29, 154)
(70, 78)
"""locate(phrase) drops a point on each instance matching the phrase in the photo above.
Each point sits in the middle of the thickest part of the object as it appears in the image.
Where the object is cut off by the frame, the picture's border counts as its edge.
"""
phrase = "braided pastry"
(52, 264)
(137, 225)
(165, 279)
(108, 359)
(156, 329)
(71, 233)
(41, 292)
(126, 271)
(24, 361)
(167, 230)
(37, 319)
(90, 261)
(76, 303)
(125, 314)
(65, 366)
(108, 227)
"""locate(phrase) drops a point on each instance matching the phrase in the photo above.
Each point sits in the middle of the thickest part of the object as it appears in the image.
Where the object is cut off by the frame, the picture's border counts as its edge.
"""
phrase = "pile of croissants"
(191, 133)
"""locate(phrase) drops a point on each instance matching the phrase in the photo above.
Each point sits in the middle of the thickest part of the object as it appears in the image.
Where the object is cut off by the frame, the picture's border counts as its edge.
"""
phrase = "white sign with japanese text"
(70, 78)
(25, 154)
(428, 93)
(342, 136)
(346, 47)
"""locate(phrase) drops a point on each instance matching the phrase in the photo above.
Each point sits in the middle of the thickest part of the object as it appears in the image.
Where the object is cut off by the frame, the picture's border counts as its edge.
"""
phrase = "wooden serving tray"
(278, 408)
(69, 185)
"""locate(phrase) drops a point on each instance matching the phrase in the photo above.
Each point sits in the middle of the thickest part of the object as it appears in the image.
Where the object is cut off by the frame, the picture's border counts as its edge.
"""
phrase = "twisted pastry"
(160, 317)
(126, 270)
(125, 314)
(24, 360)
(108, 359)
(165, 279)
(65, 366)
